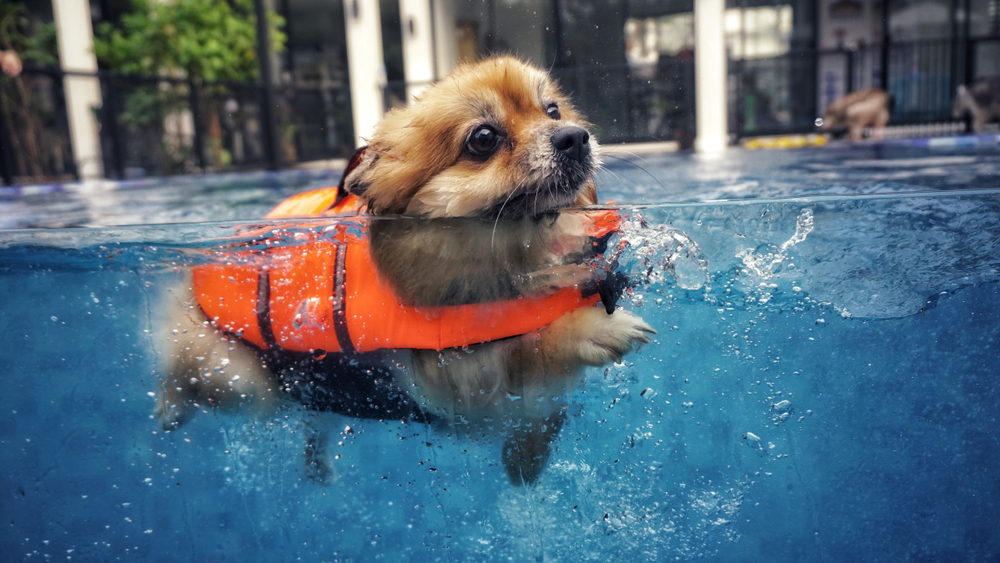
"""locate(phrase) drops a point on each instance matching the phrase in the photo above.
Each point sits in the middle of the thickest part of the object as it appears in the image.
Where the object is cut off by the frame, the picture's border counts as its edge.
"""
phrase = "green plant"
(205, 39)
(33, 150)
(34, 42)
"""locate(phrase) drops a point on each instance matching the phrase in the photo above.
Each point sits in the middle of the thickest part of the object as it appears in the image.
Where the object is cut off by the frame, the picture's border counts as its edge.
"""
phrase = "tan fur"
(204, 367)
(458, 261)
(858, 110)
(417, 164)
(414, 161)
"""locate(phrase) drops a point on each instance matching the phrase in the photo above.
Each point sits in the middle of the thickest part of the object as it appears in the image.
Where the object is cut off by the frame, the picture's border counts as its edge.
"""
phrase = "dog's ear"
(355, 179)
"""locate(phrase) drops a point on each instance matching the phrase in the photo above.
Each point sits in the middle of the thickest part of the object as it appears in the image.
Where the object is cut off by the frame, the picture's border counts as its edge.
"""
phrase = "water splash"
(765, 265)
(652, 254)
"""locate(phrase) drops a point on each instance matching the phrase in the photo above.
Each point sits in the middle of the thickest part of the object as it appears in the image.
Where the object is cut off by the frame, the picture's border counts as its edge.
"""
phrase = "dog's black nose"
(574, 142)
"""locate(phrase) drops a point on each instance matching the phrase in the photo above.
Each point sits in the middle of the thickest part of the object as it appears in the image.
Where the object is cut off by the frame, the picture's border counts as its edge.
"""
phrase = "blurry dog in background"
(487, 156)
(978, 103)
(856, 111)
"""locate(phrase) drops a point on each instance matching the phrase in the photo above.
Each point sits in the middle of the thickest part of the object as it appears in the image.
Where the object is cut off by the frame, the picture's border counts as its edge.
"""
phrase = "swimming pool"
(831, 394)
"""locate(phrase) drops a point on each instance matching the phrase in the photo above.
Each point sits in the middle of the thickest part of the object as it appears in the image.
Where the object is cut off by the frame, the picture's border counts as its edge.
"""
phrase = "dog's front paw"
(591, 336)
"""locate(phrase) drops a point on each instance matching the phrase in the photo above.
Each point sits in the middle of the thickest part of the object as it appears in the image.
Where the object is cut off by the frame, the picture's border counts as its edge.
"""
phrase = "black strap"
(264, 308)
(339, 304)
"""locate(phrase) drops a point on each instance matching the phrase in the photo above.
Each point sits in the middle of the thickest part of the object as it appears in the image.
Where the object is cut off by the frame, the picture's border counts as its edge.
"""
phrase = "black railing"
(34, 133)
(151, 125)
(785, 94)
(624, 103)
(635, 103)
(161, 126)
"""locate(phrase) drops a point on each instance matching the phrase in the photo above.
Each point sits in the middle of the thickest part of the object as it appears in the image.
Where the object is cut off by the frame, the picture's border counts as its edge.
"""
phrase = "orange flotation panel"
(324, 295)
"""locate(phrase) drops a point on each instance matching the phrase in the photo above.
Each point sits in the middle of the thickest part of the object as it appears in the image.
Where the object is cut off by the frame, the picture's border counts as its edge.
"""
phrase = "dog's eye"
(482, 141)
(553, 111)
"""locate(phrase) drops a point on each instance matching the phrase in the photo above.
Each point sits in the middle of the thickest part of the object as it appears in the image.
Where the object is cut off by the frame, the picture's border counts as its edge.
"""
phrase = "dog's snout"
(574, 142)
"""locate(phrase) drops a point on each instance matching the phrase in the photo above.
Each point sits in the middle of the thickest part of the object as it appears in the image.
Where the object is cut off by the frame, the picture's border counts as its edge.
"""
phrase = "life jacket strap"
(339, 301)
(264, 309)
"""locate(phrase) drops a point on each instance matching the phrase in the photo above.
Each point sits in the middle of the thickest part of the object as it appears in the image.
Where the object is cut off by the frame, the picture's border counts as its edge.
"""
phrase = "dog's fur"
(497, 145)
(978, 102)
(858, 110)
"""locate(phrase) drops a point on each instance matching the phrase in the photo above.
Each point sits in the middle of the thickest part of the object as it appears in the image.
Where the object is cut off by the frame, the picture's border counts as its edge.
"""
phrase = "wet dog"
(481, 164)
(979, 103)
(856, 111)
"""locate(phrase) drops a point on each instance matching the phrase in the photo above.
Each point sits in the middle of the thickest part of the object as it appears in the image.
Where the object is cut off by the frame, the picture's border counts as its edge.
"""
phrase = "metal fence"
(785, 94)
(34, 133)
(637, 103)
(162, 126)
(159, 126)
(624, 103)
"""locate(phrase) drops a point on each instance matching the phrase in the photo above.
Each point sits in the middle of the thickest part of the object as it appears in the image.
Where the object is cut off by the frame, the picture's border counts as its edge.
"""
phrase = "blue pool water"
(831, 394)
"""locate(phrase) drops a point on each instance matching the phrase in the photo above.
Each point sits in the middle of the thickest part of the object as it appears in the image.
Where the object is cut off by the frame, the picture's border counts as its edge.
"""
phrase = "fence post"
(5, 173)
(199, 143)
(884, 71)
(849, 78)
(109, 109)
(970, 46)
(269, 123)
(739, 103)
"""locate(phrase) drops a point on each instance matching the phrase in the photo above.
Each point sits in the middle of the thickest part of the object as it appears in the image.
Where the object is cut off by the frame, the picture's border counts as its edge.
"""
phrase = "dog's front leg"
(522, 380)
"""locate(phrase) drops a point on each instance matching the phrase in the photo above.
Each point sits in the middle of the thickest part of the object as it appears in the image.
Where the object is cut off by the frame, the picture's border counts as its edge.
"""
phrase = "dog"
(979, 103)
(479, 167)
(871, 107)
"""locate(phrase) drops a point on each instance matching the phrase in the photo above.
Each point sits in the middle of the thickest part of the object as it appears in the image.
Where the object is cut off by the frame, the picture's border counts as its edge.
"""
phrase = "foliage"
(35, 43)
(36, 152)
(206, 39)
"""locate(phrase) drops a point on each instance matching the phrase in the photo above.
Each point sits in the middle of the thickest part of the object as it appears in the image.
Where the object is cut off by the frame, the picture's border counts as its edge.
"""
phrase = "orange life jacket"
(324, 295)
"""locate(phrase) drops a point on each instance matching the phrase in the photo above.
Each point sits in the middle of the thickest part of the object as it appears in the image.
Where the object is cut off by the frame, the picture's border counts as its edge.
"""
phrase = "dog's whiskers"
(603, 168)
(627, 161)
(500, 213)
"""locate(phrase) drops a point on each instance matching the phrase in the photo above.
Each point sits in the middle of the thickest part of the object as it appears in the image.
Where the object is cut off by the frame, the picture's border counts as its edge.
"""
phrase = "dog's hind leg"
(202, 367)
(528, 445)
(318, 467)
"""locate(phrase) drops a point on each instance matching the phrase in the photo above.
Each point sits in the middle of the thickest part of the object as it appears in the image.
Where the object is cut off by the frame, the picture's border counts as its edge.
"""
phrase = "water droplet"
(782, 407)
(319, 354)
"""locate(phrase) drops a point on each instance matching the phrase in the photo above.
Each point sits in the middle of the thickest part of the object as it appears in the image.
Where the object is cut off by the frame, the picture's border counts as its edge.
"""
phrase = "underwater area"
(824, 384)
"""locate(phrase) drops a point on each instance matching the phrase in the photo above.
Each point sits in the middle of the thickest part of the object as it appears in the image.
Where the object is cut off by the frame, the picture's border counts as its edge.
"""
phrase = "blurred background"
(131, 88)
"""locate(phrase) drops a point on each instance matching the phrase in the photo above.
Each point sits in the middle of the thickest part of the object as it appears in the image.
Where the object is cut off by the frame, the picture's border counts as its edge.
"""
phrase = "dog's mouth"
(540, 198)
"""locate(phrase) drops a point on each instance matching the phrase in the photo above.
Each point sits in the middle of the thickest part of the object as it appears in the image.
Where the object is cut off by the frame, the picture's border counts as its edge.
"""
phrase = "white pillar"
(418, 45)
(445, 15)
(711, 82)
(365, 65)
(75, 36)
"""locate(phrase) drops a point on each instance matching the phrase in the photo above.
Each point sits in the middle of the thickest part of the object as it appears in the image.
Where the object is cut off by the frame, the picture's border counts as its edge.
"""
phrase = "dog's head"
(495, 138)
(963, 104)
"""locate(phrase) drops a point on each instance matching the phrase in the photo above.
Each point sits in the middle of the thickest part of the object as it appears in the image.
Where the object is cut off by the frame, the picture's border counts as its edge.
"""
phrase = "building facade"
(628, 64)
